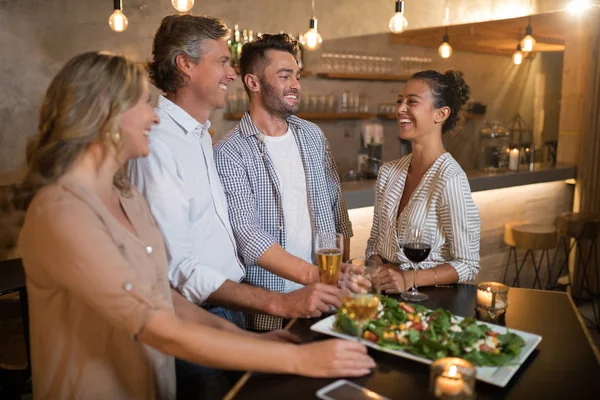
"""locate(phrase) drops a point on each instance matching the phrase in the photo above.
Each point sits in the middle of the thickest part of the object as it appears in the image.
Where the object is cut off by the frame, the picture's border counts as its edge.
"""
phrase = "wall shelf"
(388, 116)
(468, 115)
(363, 77)
(315, 116)
(303, 73)
(312, 116)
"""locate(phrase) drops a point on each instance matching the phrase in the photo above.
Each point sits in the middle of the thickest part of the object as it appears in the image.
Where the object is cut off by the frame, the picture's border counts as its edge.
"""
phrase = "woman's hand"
(358, 283)
(390, 279)
(333, 358)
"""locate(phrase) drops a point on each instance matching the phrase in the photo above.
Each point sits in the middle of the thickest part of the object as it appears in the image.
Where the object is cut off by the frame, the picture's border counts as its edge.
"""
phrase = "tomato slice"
(417, 326)
(486, 348)
(370, 336)
(407, 308)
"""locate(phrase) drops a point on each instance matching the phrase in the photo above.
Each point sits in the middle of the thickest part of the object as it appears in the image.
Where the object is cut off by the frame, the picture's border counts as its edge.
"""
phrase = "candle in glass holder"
(513, 160)
(492, 300)
(492, 295)
(452, 378)
(449, 383)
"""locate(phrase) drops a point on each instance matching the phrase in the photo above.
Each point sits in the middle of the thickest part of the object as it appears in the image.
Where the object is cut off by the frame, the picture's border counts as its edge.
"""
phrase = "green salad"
(435, 334)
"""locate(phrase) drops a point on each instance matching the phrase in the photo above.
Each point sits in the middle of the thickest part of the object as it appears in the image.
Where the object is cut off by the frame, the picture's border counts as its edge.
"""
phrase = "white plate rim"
(497, 376)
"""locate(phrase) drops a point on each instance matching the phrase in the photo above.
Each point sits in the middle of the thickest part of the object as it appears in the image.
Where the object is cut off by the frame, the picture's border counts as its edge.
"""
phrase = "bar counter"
(362, 193)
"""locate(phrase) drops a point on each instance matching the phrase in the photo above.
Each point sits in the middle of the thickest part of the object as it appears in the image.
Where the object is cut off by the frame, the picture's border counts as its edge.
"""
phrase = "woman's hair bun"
(463, 92)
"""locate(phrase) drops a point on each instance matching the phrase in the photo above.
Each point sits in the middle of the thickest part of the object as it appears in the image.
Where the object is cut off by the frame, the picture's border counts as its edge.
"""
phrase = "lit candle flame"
(452, 371)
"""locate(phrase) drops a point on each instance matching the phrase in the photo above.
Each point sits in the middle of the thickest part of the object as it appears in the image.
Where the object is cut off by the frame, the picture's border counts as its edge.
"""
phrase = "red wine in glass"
(416, 252)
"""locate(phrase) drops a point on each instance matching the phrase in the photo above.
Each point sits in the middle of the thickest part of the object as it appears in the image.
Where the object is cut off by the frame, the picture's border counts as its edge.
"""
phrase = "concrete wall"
(38, 36)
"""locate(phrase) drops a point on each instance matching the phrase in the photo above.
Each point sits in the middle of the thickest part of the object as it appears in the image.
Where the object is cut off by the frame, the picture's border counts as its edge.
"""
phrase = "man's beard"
(274, 102)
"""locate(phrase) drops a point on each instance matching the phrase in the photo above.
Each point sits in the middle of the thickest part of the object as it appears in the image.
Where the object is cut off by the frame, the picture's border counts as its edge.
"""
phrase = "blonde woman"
(104, 321)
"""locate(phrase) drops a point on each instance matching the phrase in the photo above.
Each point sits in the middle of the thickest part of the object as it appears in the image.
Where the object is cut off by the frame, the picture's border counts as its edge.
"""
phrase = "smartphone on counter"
(346, 390)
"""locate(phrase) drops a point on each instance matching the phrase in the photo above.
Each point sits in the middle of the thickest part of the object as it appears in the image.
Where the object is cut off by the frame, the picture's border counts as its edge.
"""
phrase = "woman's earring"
(115, 138)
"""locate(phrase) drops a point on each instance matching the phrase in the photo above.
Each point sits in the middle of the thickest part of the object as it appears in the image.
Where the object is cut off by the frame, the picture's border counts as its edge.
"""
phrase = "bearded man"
(279, 177)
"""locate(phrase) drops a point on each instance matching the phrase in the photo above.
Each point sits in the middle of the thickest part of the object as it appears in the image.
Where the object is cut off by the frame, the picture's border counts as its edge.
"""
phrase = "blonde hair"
(81, 106)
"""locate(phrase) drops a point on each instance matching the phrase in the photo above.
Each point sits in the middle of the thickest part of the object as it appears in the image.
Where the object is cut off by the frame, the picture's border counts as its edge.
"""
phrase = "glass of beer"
(329, 248)
(360, 293)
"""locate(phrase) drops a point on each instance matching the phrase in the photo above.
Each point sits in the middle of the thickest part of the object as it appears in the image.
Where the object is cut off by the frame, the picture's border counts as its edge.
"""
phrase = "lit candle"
(449, 383)
(513, 161)
(452, 378)
(485, 297)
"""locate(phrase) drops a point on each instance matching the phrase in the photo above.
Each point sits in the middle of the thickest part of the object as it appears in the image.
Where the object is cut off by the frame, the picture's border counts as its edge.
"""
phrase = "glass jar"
(494, 145)
(492, 300)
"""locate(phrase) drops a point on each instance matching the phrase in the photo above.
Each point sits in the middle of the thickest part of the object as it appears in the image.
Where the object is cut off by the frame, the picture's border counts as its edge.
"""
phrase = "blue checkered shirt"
(254, 198)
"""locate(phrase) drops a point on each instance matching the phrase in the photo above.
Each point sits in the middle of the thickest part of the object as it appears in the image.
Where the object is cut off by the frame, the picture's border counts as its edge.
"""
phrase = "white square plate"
(498, 376)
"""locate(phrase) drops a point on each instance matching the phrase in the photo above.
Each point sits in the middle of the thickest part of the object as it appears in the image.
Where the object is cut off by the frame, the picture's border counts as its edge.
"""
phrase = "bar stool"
(530, 237)
(581, 230)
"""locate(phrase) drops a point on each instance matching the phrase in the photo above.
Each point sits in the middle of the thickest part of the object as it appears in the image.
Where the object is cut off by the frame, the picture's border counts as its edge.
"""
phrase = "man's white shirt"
(182, 187)
(285, 155)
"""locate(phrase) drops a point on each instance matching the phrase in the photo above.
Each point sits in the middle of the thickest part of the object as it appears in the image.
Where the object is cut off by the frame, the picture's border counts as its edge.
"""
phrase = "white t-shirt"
(285, 155)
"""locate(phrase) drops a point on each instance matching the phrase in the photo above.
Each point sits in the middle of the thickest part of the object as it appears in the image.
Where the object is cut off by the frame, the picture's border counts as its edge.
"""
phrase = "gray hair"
(181, 34)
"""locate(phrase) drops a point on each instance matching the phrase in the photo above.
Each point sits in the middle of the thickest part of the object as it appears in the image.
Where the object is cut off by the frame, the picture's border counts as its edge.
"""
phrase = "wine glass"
(360, 292)
(416, 249)
(329, 248)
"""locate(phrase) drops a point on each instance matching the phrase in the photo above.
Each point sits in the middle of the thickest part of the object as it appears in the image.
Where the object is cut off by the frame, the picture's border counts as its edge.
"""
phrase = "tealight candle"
(484, 297)
(452, 378)
(449, 383)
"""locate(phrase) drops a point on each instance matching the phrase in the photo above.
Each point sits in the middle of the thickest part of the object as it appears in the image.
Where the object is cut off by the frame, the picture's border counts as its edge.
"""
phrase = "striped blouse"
(441, 206)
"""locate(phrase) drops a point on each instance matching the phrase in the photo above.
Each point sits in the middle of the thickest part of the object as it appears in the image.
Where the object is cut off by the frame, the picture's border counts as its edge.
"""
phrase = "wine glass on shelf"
(329, 248)
(416, 249)
(360, 292)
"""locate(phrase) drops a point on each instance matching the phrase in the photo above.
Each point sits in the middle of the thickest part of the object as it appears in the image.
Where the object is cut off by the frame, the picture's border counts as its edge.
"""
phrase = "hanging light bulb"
(518, 55)
(183, 6)
(398, 22)
(578, 6)
(528, 41)
(118, 21)
(312, 40)
(445, 50)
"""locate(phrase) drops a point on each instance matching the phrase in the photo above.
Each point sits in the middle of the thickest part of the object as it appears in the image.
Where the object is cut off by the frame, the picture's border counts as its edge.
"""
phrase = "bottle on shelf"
(235, 47)
(300, 54)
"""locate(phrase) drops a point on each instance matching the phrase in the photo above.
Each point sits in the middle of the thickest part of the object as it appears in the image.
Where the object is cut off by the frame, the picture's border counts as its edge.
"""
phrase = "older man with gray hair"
(191, 65)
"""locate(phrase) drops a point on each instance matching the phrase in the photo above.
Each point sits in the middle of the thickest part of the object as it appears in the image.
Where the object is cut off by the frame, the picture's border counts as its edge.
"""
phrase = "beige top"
(92, 287)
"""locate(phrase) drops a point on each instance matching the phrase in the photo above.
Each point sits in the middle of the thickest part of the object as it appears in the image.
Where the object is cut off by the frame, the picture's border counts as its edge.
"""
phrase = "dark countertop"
(362, 193)
(565, 365)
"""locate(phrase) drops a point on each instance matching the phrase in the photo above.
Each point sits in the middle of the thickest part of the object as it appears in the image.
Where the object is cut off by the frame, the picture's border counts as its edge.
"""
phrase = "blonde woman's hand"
(391, 279)
(333, 358)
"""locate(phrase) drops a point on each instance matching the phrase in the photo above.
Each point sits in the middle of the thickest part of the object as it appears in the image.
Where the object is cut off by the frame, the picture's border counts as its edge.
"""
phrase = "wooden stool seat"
(535, 236)
(509, 237)
(578, 225)
(530, 237)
